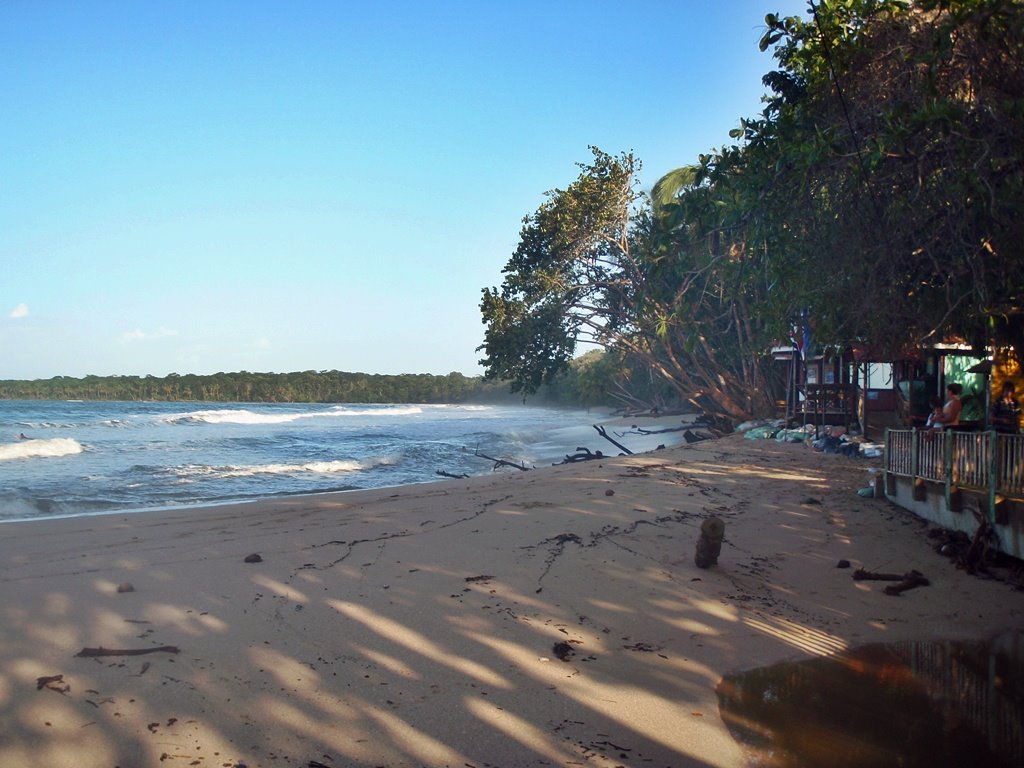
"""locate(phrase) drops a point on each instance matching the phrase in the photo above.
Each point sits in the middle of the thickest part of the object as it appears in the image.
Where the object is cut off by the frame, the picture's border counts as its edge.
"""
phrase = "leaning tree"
(595, 265)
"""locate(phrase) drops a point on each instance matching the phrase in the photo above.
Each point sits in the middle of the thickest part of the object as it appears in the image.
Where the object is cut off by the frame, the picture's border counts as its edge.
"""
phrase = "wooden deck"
(939, 474)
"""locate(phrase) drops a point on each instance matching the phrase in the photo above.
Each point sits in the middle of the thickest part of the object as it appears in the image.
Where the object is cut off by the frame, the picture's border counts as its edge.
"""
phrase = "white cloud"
(20, 311)
(262, 344)
(140, 335)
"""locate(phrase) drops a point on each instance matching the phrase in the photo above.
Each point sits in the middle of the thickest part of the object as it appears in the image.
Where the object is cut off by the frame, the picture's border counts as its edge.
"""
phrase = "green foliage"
(243, 386)
(565, 282)
(596, 265)
(878, 194)
(891, 150)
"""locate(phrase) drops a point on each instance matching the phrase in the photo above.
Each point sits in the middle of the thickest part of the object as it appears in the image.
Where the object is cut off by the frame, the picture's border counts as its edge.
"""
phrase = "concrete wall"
(900, 490)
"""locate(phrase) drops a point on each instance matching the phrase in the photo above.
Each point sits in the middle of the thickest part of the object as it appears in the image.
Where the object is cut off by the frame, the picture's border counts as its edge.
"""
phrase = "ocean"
(81, 458)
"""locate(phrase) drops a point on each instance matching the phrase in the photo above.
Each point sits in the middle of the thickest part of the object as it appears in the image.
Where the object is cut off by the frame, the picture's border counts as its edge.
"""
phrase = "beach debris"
(442, 473)
(862, 575)
(692, 437)
(53, 683)
(866, 493)
(811, 500)
(603, 433)
(582, 454)
(709, 545)
(563, 651)
(635, 430)
(502, 462)
(609, 492)
(125, 586)
(972, 553)
(914, 579)
(643, 647)
(843, 564)
(253, 558)
(908, 580)
(92, 652)
(473, 579)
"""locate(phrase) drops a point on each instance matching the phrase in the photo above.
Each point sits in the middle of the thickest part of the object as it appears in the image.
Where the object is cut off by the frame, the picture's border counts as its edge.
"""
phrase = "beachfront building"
(966, 477)
(821, 387)
(960, 478)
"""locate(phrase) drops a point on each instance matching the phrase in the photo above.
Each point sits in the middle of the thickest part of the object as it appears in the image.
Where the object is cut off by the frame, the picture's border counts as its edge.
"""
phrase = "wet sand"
(545, 618)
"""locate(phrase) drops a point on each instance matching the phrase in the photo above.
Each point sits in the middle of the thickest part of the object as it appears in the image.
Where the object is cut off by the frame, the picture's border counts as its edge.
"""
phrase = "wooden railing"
(978, 461)
(825, 404)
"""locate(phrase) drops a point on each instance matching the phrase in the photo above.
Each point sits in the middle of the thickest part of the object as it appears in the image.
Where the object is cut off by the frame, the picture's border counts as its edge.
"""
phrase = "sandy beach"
(545, 618)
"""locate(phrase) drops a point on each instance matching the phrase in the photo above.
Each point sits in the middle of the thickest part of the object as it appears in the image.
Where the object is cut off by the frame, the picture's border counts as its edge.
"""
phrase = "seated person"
(1005, 414)
(950, 415)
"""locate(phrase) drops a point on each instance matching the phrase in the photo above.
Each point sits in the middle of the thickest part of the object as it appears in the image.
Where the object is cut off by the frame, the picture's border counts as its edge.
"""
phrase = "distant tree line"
(303, 387)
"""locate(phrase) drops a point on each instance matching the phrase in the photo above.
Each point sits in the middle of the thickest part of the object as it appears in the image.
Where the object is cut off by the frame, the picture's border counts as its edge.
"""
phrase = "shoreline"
(420, 624)
(646, 445)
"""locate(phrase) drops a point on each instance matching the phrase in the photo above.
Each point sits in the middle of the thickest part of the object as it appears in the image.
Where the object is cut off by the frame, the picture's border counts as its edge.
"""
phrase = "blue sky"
(196, 187)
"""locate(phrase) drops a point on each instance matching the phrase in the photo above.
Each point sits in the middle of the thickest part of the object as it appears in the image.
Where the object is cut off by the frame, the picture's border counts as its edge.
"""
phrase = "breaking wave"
(197, 471)
(35, 449)
(244, 416)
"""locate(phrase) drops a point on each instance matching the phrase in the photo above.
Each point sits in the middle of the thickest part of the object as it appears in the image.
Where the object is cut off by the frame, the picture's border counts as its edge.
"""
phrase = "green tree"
(888, 163)
(594, 265)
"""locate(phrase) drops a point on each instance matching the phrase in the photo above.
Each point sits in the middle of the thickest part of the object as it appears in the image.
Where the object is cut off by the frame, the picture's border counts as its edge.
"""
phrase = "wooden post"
(709, 545)
(888, 474)
(993, 473)
(947, 462)
(918, 493)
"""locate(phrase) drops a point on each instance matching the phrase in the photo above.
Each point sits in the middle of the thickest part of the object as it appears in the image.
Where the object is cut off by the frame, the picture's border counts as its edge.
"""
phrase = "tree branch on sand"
(502, 462)
(582, 454)
(603, 433)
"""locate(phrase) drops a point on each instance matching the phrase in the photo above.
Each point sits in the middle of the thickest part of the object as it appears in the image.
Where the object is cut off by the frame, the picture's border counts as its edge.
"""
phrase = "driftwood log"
(502, 462)
(907, 580)
(442, 473)
(582, 454)
(603, 433)
(913, 579)
(709, 545)
(127, 651)
(641, 431)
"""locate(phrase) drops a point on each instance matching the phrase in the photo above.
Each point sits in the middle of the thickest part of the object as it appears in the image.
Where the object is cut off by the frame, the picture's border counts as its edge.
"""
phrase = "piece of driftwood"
(127, 651)
(442, 473)
(603, 433)
(642, 431)
(582, 454)
(913, 579)
(907, 580)
(709, 545)
(502, 462)
(53, 683)
(861, 575)
(980, 549)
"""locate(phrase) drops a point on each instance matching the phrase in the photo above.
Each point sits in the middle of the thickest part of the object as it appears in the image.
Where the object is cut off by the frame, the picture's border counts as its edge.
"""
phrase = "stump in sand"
(709, 545)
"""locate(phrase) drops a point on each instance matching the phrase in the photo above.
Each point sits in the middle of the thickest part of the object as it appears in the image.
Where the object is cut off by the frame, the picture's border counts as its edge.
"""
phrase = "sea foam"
(34, 449)
(244, 416)
(317, 467)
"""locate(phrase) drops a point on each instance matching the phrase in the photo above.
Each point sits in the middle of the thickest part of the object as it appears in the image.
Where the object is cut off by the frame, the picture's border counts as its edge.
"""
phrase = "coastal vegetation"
(874, 202)
(577, 387)
(245, 386)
